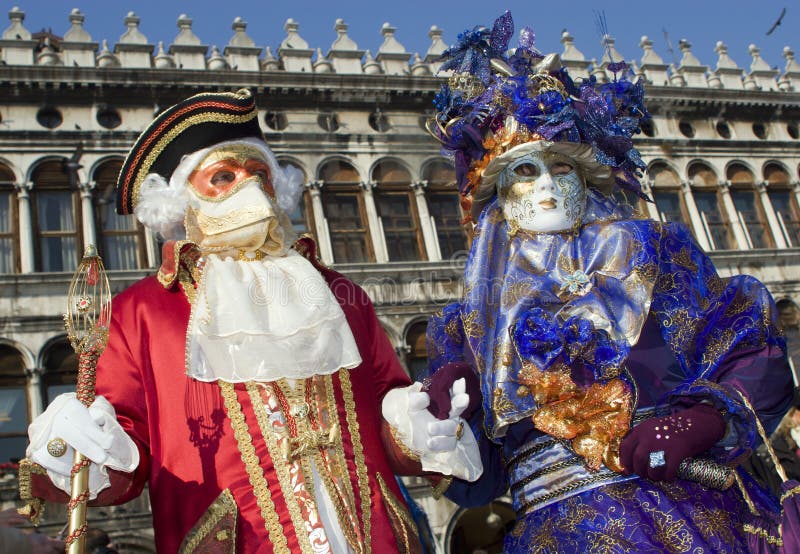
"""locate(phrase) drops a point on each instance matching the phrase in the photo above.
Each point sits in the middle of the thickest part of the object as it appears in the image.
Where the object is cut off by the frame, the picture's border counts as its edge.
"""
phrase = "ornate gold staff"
(87, 321)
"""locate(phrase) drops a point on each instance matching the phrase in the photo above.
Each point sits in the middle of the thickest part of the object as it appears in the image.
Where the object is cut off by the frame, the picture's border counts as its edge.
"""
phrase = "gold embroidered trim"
(170, 135)
(790, 493)
(745, 494)
(361, 465)
(441, 487)
(34, 507)
(187, 284)
(167, 279)
(407, 452)
(409, 528)
(224, 505)
(281, 466)
(254, 470)
(764, 534)
(337, 458)
(347, 520)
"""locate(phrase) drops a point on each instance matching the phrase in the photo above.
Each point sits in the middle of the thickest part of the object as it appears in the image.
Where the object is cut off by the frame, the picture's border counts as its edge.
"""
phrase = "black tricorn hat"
(198, 122)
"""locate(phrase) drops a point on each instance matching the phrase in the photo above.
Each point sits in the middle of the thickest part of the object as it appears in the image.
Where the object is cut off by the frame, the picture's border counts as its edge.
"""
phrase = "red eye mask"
(221, 178)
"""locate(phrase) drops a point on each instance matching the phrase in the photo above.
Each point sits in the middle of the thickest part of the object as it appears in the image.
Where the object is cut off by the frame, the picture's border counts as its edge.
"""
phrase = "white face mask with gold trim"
(246, 221)
(542, 192)
(232, 206)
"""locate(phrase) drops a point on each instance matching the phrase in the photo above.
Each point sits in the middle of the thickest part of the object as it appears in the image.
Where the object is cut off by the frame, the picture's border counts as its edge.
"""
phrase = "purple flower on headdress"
(475, 49)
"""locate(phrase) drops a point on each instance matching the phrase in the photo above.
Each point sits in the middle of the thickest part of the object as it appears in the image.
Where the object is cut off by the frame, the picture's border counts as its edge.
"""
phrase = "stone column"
(34, 390)
(320, 223)
(151, 247)
(87, 214)
(25, 227)
(375, 223)
(694, 215)
(739, 232)
(426, 222)
(772, 220)
(652, 209)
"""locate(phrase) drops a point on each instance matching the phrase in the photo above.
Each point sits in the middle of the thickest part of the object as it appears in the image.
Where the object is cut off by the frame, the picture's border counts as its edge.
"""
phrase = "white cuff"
(95, 432)
(411, 424)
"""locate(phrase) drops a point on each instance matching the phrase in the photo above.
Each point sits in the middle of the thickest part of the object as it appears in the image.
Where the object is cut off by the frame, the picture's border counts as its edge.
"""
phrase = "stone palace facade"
(723, 152)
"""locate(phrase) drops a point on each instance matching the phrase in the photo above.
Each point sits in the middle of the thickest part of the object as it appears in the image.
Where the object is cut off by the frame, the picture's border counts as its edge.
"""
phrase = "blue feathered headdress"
(494, 101)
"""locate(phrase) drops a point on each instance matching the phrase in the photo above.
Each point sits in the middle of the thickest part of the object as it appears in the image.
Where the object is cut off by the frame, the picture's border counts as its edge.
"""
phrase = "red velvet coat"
(189, 454)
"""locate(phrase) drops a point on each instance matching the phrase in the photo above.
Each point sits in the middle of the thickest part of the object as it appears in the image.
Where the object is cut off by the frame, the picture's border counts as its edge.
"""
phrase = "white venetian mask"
(232, 206)
(542, 192)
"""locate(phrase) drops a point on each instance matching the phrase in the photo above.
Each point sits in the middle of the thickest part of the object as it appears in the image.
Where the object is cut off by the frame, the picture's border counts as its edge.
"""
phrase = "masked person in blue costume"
(606, 347)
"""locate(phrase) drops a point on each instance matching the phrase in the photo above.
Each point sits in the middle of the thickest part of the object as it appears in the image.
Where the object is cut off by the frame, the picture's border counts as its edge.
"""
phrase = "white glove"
(93, 431)
(437, 442)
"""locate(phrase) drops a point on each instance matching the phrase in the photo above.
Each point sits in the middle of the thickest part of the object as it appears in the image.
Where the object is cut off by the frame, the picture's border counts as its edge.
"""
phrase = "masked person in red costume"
(243, 382)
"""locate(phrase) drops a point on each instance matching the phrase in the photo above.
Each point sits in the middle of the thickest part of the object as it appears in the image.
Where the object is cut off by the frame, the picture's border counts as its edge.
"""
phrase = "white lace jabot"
(265, 320)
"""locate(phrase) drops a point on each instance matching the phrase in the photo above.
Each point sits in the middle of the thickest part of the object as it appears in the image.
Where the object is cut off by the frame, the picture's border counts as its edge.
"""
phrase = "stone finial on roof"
(133, 50)
(676, 78)
(77, 47)
(76, 32)
(293, 38)
(790, 80)
(105, 58)
(162, 60)
(322, 64)
(185, 35)
(16, 44)
(294, 51)
(692, 70)
(342, 42)
(418, 67)
(572, 58)
(437, 47)
(392, 55)
(344, 53)
(240, 37)
(749, 83)
(598, 72)
(241, 52)
(188, 50)
(16, 31)
(713, 80)
(760, 71)
(47, 54)
(653, 66)
(132, 35)
(216, 62)
(728, 72)
(371, 67)
(270, 63)
(610, 53)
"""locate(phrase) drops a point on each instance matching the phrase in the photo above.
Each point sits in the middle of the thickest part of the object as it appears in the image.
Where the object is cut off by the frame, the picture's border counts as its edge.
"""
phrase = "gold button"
(56, 447)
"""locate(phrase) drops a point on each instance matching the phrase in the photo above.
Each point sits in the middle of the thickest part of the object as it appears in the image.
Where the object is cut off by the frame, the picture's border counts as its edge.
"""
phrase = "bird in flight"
(777, 22)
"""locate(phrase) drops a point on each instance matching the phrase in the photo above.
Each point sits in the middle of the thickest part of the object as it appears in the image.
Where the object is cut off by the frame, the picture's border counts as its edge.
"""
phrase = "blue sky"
(738, 23)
